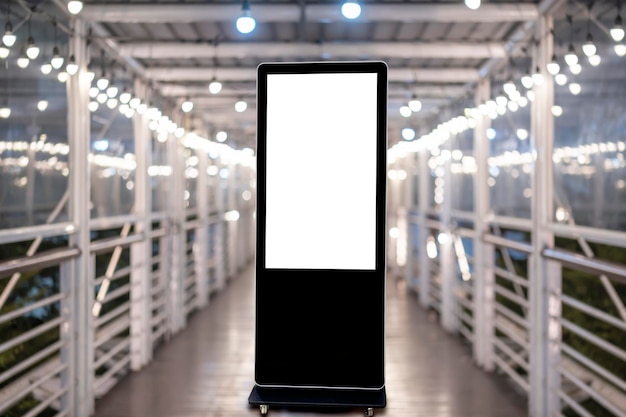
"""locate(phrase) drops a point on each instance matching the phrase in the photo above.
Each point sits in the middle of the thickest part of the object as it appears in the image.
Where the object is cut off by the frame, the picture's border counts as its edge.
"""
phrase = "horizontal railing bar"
(107, 356)
(158, 333)
(592, 392)
(62, 413)
(508, 243)
(157, 289)
(503, 273)
(511, 315)
(463, 215)
(601, 343)
(158, 216)
(107, 245)
(43, 405)
(466, 333)
(32, 333)
(39, 260)
(594, 266)
(511, 353)
(9, 373)
(574, 404)
(511, 295)
(511, 373)
(107, 333)
(158, 318)
(21, 234)
(112, 295)
(30, 307)
(465, 303)
(109, 374)
(194, 224)
(113, 313)
(120, 273)
(593, 366)
(591, 234)
(15, 397)
(467, 318)
(465, 232)
(157, 233)
(516, 223)
(511, 335)
(113, 222)
(592, 311)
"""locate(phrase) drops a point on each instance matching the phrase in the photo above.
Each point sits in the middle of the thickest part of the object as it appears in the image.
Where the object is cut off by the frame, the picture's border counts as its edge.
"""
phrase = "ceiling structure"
(435, 50)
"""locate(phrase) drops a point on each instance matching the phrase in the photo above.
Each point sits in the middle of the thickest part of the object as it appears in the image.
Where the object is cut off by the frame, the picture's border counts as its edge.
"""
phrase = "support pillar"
(422, 202)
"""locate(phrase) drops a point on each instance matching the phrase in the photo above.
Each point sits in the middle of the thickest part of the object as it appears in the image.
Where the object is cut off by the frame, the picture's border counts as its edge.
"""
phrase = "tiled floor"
(207, 370)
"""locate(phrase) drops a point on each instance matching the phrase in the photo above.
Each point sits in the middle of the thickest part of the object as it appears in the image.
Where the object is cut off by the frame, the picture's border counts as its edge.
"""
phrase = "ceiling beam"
(403, 12)
(429, 75)
(361, 50)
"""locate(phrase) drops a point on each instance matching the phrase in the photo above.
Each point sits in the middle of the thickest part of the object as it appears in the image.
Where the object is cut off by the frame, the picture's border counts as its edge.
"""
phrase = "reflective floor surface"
(207, 370)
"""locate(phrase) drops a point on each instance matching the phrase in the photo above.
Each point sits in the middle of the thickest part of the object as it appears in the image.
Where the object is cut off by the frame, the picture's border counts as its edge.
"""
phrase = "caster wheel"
(369, 412)
(264, 409)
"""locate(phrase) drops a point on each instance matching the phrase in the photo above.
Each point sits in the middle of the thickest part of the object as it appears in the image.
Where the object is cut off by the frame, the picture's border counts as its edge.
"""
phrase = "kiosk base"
(317, 397)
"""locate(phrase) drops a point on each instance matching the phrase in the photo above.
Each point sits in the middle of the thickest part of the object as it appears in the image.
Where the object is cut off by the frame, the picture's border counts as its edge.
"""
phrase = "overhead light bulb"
(595, 60)
(46, 69)
(553, 66)
(472, 4)
(501, 101)
(89, 74)
(241, 106)
(32, 50)
(215, 86)
(4, 51)
(93, 92)
(575, 88)
(617, 31)
(571, 58)
(620, 49)
(408, 133)
(509, 87)
(103, 82)
(576, 69)
(537, 77)
(589, 48)
(125, 97)
(221, 136)
(527, 81)
(42, 105)
(415, 105)
(62, 76)
(74, 6)
(350, 9)
(557, 111)
(111, 103)
(245, 23)
(72, 66)
(57, 60)
(101, 98)
(142, 108)
(112, 91)
(8, 39)
(134, 102)
(405, 111)
(23, 62)
(560, 79)
(187, 106)
(93, 106)
(5, 112)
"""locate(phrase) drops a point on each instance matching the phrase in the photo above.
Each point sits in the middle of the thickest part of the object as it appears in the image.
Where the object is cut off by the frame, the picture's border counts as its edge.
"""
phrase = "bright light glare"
(617, 33)
(620, 49)
(472, 4)
(589, 48)
(557, 110)
(102, 83)
(351, 9)
(187, 106)
(42, 105)
(571, 58)
(9, 39)
(72, 67)
(491, 133)
(553, 67)
(46, 69)
(93, 106)
(560, 79)
(125, 97)
(443, 238)
(522, 134)
(62, 76)
(595, 60)
(23, 62)
(405, 111)
(57, 61)
(4, 51)
(576, 69)
(74, 6)
(415, 105)
(32, 52)
(575, 88)
(246, 23)
(215, 87)
(527, 81)
(431, 247)
(5, 112)
(408, 133)
(241, 106)
(221, 136)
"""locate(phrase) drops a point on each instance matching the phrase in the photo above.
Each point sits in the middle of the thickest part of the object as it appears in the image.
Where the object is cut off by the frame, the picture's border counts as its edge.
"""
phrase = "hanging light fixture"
(241, 106)
(23, 60)
(509, 87)
(589, 48)
(72, 66)
(46, 69)
(74, 6)
(8, 39)
(553, 66)
(537, 76)
(415, 104)
(4, 51)
(32, 50)
(245, 23)
(595, 60)
(42, 105)
(187, 106)
(215, 86)
(5, 110)
(125, 96)
(350, 9)
(620, 49)
(617, 31)
(57, 60)
(472, 4)
(103, 81)
(90, 75)
(570, 57)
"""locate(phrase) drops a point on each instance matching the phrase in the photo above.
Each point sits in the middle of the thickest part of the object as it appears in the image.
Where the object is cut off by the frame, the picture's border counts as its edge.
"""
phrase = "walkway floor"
(207, 370)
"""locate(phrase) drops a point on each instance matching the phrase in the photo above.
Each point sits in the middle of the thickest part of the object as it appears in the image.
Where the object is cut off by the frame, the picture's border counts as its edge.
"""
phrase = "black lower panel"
(318, 397)
(320, 329)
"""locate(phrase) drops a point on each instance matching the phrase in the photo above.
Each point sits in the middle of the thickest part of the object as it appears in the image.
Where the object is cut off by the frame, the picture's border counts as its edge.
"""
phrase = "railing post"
(423, 179)
(545, 275)
(201, 246)
(81, 386)
(449, 314)
(483, 278)
(141, 252)
(219, 242)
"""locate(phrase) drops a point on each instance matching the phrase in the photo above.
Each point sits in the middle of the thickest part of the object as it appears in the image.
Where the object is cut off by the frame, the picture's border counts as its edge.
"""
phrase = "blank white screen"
(321, 171)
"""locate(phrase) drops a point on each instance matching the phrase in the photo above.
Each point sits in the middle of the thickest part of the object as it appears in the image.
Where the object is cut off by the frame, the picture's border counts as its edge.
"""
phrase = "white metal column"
(483, 279)
(423, 232)
(141, 252)
(78, 130)
(545, 276)
(201, 246)
(449, 316)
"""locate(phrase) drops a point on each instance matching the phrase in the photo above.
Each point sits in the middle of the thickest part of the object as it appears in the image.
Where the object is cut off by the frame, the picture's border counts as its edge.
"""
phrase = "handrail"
(594, 266)
(106, 245)
(508, 243)
(20, 234)
(38, 261)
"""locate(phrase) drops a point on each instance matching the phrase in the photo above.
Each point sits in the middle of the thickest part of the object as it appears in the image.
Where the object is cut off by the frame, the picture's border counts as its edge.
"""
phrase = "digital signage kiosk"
(320, 263)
